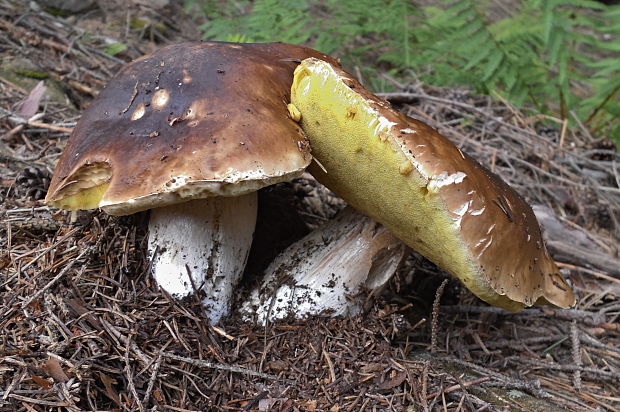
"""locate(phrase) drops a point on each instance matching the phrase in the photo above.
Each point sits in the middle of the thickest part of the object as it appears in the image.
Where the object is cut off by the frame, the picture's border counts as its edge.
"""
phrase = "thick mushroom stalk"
(323, 273)
(202, 246)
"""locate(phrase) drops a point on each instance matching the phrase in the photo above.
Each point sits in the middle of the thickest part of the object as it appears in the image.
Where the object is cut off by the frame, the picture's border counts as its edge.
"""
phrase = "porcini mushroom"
(322, 273)
(438, 200)
(173, 132)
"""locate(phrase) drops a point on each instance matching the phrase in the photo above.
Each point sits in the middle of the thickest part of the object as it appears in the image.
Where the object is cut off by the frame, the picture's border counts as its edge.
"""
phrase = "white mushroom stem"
(323, 272)
(207, 239)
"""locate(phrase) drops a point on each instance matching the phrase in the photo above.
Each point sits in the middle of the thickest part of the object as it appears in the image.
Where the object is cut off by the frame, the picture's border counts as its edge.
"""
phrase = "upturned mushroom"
(191, 131)
(438, 200)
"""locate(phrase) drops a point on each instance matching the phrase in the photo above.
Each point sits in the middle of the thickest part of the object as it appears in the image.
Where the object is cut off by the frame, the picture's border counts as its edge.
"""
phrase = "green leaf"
(481, 54)
(614, 47)
(595, 5)
(556, 45)
(458, 8)
(612, 12)
(494, 61)
(115, 48)
(548, 20)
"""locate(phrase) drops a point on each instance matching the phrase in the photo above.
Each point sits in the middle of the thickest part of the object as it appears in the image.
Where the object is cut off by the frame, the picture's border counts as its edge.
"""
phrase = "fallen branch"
(566, 368)
(33, 121)
(587, 317)
(574, 246)
(459, 386)
(39, 401)
(212, 365)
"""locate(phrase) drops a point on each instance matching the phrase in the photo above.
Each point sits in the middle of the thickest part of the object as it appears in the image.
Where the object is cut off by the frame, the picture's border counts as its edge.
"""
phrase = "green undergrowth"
(560, 57)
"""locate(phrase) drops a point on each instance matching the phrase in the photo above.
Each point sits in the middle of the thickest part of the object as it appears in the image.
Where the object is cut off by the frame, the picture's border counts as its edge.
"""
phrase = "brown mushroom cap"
(438, 200)
(189, 121)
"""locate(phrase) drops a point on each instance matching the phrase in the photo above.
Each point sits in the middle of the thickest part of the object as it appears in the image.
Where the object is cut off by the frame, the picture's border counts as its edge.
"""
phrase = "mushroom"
(191, 131)
(438, 200)
(322, 273)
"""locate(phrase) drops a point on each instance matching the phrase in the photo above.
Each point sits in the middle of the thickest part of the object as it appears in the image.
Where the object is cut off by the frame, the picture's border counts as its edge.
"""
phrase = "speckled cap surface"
(191, 120)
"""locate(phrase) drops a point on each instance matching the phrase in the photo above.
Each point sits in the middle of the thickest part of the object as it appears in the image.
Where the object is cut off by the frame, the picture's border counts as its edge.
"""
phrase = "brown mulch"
(84, 327)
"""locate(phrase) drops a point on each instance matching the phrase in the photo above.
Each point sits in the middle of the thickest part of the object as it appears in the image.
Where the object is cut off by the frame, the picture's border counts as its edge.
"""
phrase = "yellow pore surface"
(85, 188)
(366, 165)
(85, 199)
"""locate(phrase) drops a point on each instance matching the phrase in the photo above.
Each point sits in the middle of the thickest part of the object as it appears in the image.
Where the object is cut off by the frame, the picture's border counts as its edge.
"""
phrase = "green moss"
(57, 12)
(501, 398)
(142, 24)
(114, 49)
(26, 74)
(32, 74)
(137, 23)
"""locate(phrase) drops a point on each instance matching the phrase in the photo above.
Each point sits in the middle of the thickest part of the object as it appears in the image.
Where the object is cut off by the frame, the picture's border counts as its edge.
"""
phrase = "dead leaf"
(372, 367)
(310, 405)
(5, 261)
(109, 390)
(42, 382)
(158, 396)
(52, 368)
(30, 105)
(76, 306)
(278, 365)
(287, 406)
(394, 381)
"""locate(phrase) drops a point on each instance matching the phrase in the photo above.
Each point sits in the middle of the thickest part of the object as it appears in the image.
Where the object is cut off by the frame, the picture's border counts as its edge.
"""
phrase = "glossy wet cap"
(413, 180)
(191, 120)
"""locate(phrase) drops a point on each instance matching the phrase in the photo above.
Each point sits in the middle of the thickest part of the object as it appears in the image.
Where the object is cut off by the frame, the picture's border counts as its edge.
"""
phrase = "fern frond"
(545, 52)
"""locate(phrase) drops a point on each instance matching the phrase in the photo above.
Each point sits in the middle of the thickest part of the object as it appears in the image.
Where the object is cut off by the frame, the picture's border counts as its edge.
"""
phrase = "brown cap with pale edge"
(438, 200)
(189, 121)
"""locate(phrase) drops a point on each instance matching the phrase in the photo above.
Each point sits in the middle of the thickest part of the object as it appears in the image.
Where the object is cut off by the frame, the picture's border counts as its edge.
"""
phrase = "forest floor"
(84, 327)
